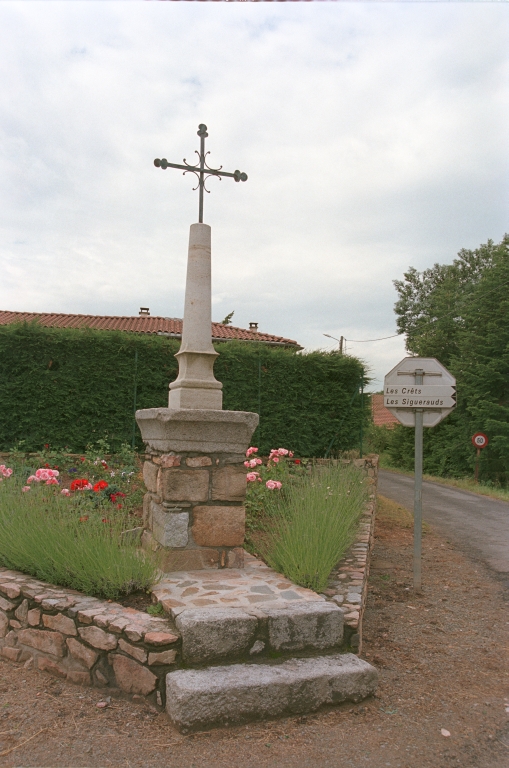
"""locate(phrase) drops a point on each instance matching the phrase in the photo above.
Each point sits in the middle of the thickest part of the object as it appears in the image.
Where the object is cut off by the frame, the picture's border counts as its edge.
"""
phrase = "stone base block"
(201, 699)
(189, 560)
(192, 429)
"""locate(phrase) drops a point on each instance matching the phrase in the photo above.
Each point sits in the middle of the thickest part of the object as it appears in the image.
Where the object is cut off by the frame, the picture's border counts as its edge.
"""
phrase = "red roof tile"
(382, 417)
(138, 324)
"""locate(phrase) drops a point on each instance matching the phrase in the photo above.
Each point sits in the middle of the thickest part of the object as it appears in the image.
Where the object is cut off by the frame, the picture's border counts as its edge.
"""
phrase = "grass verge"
(43, 535)
(312, 523)
(463, 483)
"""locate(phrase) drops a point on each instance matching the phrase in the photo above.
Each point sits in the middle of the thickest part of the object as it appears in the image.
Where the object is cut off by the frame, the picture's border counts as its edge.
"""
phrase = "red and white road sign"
(480, 440)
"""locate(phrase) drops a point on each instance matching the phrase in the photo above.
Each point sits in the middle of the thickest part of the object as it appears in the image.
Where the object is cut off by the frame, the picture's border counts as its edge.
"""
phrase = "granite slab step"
(198, 699)
(214, 635)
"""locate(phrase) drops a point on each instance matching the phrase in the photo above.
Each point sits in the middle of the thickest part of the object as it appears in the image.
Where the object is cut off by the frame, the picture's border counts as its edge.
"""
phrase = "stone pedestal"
(196, 484)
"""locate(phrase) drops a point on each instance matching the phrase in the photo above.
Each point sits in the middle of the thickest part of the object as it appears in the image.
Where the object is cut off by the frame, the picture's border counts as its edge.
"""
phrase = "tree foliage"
(459, 313)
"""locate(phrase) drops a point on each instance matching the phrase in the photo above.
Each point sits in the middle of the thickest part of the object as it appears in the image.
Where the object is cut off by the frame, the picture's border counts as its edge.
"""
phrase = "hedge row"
(71, 387)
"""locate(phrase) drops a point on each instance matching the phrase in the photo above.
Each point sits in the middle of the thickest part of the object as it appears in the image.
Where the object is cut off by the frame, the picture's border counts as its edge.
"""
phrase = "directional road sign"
(403, 393)
(420, 392)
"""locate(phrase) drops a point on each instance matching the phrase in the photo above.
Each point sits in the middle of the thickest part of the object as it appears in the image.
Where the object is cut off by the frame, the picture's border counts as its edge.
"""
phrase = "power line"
(362, 341)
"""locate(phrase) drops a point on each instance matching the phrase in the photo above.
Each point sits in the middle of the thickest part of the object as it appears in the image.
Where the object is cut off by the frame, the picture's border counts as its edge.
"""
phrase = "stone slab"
(306, 626)
(197, 430)
(201, 699)
(215, 634)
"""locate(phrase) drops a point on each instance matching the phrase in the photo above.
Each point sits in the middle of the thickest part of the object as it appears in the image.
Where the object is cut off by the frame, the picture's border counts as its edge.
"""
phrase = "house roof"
(165, 326)
(382, 417)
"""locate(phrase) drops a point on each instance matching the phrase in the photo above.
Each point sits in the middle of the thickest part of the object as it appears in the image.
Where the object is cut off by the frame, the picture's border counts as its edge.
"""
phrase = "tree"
(459, 313)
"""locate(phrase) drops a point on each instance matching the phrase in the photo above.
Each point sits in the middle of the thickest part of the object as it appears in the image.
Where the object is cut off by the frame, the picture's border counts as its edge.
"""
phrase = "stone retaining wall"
(83, 639)
(348, 582)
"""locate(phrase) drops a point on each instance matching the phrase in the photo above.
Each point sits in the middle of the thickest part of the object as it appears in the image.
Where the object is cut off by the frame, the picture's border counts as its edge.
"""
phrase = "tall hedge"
(70, 387)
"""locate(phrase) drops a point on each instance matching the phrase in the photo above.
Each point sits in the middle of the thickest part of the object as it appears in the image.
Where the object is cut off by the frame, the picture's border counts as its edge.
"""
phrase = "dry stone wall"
(83, 639)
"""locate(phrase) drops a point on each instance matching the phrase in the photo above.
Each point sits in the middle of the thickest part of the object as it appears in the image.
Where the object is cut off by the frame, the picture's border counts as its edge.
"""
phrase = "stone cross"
(196, 386)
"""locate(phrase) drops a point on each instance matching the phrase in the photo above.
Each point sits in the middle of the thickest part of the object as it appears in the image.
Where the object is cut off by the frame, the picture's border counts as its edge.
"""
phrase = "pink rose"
(65, 492)
(275, 459)
(252, 476)
(282, 451)
(250, 451)
(25, 488)
(52, 481)
(273, 485)
(33, 479)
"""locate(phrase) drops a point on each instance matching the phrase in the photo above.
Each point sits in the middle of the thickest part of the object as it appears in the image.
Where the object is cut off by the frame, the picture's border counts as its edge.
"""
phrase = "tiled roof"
(138, 324)
(382, 417)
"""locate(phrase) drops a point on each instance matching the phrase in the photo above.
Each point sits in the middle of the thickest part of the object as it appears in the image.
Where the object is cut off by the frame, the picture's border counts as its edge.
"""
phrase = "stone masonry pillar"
(196, 484)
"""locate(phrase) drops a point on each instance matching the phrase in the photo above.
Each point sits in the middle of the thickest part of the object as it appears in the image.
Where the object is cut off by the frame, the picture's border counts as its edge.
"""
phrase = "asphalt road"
(477, 524)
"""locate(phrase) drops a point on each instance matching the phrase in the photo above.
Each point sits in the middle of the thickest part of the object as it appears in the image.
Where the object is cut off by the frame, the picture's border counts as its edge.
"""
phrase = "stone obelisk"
(194, 474)
(196, 386)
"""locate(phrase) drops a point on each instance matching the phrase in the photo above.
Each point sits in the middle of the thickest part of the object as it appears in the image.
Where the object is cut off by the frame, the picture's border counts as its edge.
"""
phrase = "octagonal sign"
(436, 396)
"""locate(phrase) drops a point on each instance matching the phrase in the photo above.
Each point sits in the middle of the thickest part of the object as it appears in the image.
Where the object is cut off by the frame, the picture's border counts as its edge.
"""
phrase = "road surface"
(477, 524)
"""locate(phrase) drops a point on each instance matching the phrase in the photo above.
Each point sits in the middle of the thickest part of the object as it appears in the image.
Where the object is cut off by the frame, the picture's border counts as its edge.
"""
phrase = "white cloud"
(374, 137)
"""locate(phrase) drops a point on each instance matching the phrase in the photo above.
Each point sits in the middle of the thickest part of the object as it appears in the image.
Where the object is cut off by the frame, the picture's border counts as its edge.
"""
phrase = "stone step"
(216, 634)
(197, 699)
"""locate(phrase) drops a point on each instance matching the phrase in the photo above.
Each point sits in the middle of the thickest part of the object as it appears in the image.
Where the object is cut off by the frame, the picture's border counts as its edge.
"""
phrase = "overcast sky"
(374, 135)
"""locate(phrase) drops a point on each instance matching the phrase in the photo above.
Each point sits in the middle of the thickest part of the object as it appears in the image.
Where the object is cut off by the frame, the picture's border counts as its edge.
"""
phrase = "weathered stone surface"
(45, 641)
(197, 699)
(11, 638)
(98, 638)
(4, 624)
(78, 677)
(137, 653)
(103, 620)
(212, 635)
(229, 484)
(61, 623)
(161, 658)
(189, 560)
(6, 605)
(118, 624)
(305, 626)
(150, 476)
(235, 558)
(170, 529)
(100, 678)
(184, 484)
(168, 460)
(219, 526)
(13, 654)
(21, 612)
(160, 638)
(10, 590)
(47, 665)
(199, 461)
(131, 676)
(197, 430)
(87, 615)
(134, 633)
(87, 656)
(15, 624)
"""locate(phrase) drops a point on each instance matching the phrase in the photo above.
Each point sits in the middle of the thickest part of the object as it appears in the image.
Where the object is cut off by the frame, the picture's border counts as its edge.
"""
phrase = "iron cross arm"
(201, 170)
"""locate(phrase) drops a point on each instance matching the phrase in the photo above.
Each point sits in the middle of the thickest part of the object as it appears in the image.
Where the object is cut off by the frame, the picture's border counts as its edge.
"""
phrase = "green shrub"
(69, 387)
(70, 541)
(312, 523)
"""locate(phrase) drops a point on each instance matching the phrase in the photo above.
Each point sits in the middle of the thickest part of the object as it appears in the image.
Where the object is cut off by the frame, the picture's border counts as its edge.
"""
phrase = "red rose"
(81, 483)
(297, 461)
(100, 486)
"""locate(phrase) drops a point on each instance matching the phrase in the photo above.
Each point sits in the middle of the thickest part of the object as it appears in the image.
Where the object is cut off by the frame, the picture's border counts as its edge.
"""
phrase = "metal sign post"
(480, 440)
(418, 403)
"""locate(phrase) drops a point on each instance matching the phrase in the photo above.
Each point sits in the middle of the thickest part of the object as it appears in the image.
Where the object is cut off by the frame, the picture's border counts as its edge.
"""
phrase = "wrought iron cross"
(202, 170)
